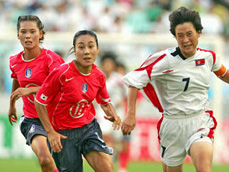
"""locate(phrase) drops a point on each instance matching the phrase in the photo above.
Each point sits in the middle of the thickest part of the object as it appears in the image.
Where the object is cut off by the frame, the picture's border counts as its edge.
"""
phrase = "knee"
(203, 166)
(104, 166)
(108, 167)
(45, 161)
(203, 169)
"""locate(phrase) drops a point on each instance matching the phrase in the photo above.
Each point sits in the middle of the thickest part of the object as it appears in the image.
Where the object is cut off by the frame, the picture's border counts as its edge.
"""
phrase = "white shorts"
(178, 134)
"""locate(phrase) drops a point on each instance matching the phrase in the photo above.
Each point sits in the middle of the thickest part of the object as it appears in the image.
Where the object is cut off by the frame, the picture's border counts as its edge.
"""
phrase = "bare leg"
(100, 161)
(172, 169)
(40, 148)
(202, 154)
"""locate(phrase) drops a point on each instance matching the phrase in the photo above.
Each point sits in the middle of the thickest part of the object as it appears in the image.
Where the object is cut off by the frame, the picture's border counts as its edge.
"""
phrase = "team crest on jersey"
(200, 62)
(28, 73)
(85, 87)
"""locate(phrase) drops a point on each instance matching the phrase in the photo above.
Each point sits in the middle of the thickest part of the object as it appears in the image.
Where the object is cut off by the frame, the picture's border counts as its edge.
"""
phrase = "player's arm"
(111, 115)
(130, 121)
(225, 78)
(12, 113)
(15, 86)
(223, 74)
(53, 137)
(21, 92)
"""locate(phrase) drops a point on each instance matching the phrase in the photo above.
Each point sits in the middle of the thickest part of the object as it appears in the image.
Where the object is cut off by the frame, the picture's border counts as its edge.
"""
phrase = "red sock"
(123, 159)
(56, 170)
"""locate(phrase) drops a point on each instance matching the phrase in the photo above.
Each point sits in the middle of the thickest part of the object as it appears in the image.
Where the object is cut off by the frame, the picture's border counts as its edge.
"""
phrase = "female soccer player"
(176, 81)
(29, 70)
(69, 119)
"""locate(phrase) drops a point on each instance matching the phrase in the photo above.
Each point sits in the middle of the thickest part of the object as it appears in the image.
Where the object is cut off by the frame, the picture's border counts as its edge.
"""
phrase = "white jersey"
(174, 84)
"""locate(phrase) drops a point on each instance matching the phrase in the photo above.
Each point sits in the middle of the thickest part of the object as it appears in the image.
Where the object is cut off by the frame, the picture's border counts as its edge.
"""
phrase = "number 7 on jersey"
(187, 82)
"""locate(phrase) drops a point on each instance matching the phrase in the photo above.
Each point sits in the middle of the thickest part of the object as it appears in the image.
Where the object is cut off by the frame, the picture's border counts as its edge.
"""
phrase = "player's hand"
(55, 141)
(112, 116)
(12, 115)
(128, 125)
(116, 121)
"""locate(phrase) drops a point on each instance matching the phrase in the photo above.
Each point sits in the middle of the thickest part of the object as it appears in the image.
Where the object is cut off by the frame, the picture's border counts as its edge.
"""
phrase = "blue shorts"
(30, 127)
(80, 142)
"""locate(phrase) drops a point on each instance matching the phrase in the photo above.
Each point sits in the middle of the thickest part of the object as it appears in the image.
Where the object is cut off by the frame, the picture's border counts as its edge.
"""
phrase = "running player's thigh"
(100, 161)
(164, 166)
(172, 169)
(40, 146)
(202, 154)
(175, 169)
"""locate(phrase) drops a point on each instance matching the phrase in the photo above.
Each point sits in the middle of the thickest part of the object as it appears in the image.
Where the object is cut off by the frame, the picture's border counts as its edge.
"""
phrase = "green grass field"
(31, 165)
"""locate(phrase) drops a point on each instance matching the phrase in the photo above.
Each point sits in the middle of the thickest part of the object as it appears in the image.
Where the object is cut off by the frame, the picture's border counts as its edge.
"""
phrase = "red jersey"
(69, 95)
(30, 73)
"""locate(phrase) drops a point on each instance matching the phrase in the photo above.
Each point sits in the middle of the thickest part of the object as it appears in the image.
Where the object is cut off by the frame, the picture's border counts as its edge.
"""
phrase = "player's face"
(29, 34)
(86, 50)
(108, 66)
(187, 38)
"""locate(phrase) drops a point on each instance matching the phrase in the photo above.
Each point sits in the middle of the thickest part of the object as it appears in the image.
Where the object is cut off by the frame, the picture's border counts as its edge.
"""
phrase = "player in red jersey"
(69, 118)
(29, 70)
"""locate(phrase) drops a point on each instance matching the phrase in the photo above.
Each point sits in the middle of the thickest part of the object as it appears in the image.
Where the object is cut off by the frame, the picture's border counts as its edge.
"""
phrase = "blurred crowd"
(106, 16)
(122, 16)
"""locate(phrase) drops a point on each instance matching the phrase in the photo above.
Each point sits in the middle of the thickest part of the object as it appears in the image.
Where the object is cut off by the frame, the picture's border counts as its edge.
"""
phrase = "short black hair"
(182, 15)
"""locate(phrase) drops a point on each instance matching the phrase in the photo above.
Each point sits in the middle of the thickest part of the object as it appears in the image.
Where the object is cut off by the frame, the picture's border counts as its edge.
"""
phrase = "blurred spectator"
(118, 93)
(106, 20)
(110, 15)
(47, 14)
(86, 21)
(121, 8)
(137, 21)
(210, 19)
(113, 16)
(34, 6)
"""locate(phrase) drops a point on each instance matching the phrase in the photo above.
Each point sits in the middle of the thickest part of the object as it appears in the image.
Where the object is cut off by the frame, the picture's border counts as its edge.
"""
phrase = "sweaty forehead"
(85, 39)
(28, 25)
(184, 28)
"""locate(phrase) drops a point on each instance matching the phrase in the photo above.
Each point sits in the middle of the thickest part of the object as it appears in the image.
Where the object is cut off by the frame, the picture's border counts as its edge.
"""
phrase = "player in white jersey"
(176, 81)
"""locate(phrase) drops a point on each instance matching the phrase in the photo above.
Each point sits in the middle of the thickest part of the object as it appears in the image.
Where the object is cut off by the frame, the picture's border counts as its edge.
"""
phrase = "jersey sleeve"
(138, 79)
(49, 88)
(54, 60)
(13, 75)
(102, 96)
(153, 67)
(12, 64)
(216, 63)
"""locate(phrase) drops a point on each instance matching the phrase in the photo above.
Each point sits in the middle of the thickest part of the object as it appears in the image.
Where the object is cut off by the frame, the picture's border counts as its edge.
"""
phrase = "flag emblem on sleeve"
(44, 97)
(200, 62)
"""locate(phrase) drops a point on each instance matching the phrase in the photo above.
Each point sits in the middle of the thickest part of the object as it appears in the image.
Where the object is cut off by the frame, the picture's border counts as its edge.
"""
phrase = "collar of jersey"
(178, 52)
